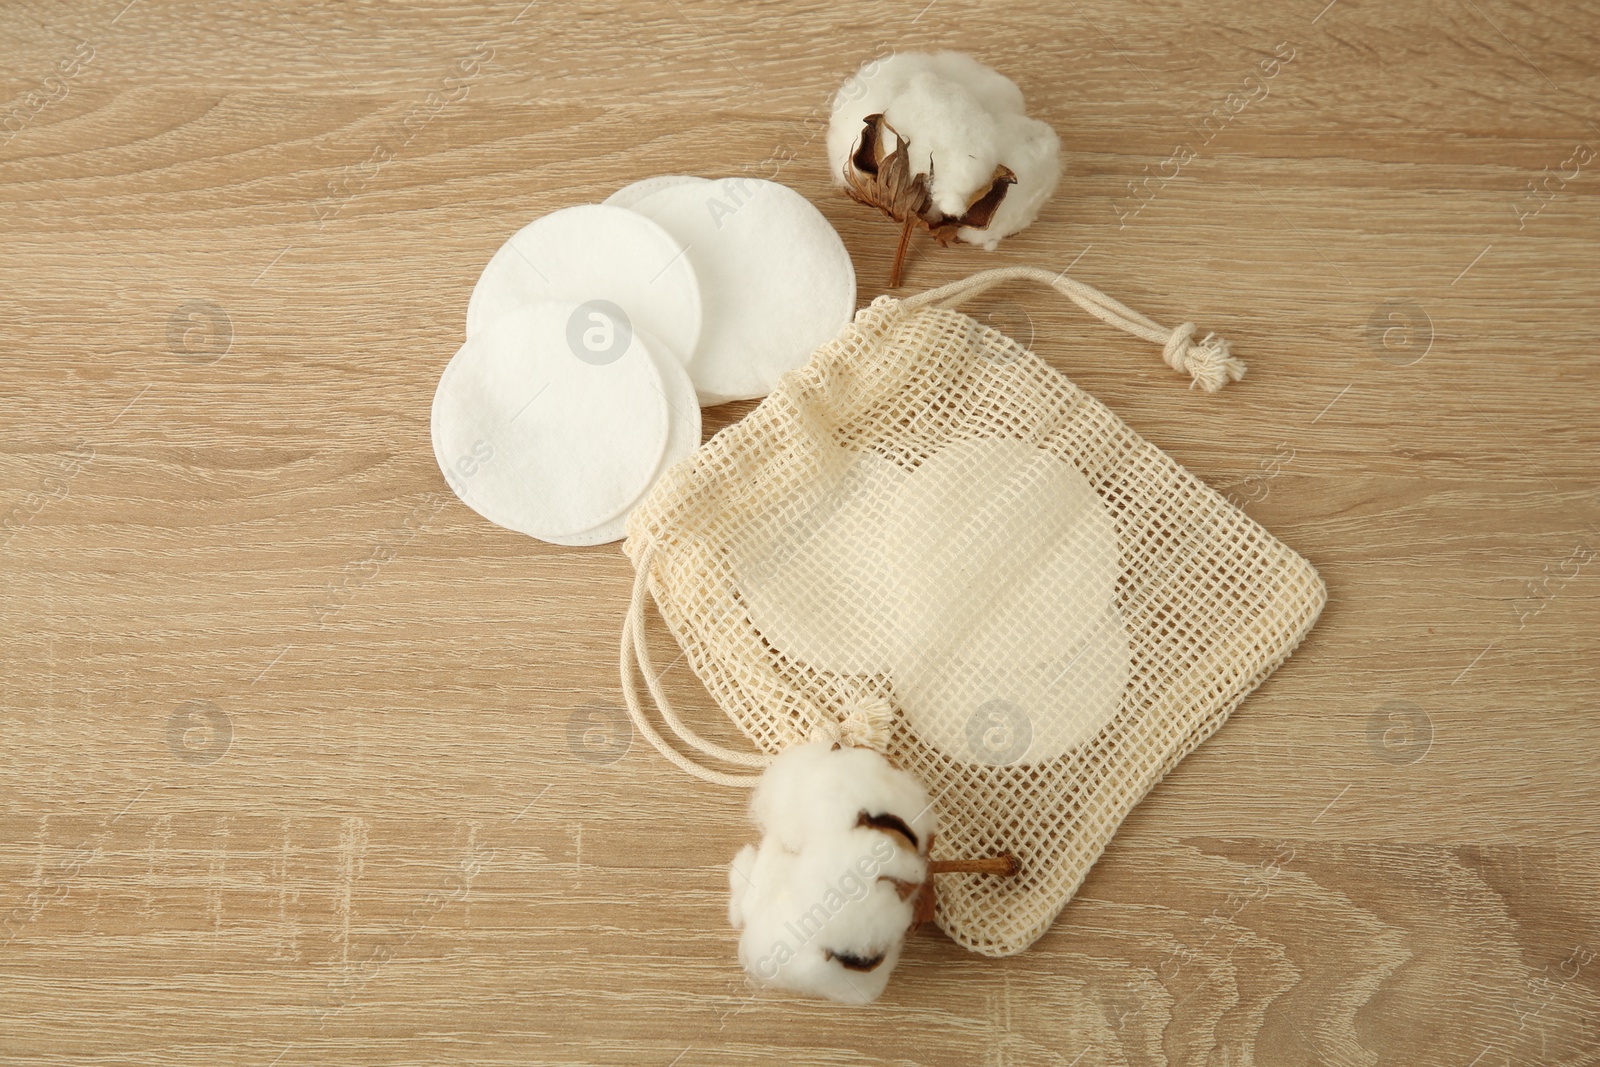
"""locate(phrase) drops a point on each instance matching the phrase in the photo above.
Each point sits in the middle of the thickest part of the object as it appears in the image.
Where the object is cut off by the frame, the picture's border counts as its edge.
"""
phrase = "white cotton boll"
(824, 904)
(815, 790)
(826, 921)
(859, 779)
(960, 117)
(781, 801)
(952, 133)
(863, 850)
(868, 91)
(998, 93)
(741, 875)
(1034, 156)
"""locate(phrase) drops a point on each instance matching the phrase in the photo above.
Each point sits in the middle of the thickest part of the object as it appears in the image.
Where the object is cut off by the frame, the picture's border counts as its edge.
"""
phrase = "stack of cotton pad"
(595, 334)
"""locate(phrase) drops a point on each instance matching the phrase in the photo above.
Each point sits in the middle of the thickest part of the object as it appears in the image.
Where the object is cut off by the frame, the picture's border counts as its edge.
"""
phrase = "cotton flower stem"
(900, 251)
(1005, 865)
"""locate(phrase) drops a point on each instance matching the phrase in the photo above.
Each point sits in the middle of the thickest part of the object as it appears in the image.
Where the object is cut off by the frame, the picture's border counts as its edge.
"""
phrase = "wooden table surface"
(303, 763)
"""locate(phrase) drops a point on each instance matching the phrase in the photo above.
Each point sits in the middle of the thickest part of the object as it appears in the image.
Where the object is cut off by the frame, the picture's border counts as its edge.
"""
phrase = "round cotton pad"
(830, 596)
(774, 276)
(594, 252)
(683, 437)
(630, 195)
(551, 420)
(1017, 650)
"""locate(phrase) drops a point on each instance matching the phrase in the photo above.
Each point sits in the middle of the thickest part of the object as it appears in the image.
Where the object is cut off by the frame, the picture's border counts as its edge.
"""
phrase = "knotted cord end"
(866, 724)
(1208, 362)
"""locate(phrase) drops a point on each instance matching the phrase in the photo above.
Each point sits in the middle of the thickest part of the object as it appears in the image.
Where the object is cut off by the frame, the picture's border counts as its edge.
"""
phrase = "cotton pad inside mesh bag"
(929, 542)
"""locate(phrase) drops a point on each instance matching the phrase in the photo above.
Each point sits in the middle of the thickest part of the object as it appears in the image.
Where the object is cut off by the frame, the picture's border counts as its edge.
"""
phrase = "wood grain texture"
(293, 745)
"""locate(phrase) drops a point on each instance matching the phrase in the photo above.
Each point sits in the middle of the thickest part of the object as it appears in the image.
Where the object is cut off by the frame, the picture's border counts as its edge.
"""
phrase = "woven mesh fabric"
(906, 486)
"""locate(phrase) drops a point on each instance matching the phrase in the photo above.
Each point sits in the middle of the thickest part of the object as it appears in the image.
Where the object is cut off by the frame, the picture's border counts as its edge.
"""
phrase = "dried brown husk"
(883, 178)
(926, 897)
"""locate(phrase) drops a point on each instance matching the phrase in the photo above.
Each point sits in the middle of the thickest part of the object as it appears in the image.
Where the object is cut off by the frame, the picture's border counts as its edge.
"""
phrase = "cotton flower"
(825, 902)
(830, 920)
(964, 130)
(814, 792)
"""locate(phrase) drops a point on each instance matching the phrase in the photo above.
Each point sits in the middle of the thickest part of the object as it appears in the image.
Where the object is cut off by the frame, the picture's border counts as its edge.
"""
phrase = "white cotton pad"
(594, 252)
(630, 195)
(775, 279)
(1016, 650)
(828, 597)
(979, 708)
(551, 421)
(683, 437)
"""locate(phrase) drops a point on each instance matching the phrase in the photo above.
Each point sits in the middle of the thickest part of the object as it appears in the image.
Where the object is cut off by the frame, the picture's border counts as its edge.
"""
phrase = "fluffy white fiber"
(825, 901)
(813, 792)
(960, 119)
(775, 279)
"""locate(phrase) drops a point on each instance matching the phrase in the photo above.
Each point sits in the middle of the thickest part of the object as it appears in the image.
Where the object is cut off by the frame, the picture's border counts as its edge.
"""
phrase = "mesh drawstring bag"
(929, 542)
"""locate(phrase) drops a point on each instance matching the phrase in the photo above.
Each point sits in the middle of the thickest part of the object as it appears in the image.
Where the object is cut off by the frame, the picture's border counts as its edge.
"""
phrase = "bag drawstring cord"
(635, 654)
(1209, 364)
(866, 722)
